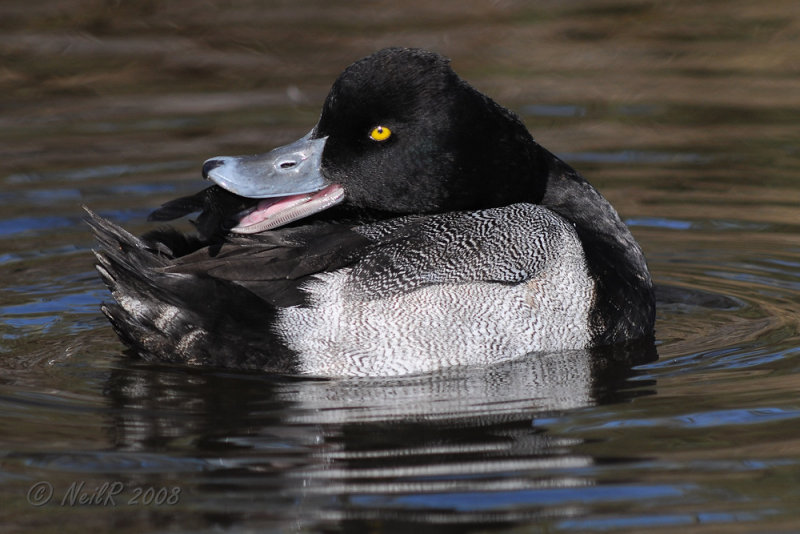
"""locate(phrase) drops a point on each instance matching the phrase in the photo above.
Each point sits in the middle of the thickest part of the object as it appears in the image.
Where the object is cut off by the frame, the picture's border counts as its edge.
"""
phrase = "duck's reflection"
(466, 446)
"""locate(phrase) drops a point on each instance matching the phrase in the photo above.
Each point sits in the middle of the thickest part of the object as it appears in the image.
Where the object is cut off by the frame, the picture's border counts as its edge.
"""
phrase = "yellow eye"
(380, 133)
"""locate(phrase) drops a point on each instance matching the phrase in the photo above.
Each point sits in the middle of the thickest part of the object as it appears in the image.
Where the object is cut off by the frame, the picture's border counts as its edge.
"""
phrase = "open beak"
(288, 178)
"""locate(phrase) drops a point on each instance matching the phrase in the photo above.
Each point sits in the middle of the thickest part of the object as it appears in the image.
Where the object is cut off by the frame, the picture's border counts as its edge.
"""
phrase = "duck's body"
(433, 231)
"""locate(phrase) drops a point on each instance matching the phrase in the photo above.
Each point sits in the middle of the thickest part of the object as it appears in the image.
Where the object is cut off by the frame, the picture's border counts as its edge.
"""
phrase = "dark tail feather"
(177, 317)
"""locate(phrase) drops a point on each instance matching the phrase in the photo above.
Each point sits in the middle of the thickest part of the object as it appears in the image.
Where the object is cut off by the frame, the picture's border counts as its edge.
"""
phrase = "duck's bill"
(288, 179)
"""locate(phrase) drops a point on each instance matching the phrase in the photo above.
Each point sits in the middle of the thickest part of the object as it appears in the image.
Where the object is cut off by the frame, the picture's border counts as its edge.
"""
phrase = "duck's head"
(400, 133)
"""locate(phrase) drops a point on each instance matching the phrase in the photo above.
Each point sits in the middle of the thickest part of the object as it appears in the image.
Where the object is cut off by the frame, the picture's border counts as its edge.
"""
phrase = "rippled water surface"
(685, 114)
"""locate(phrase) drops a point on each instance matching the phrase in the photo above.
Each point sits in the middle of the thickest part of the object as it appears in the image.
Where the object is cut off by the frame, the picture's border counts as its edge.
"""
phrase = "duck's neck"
(625, 303)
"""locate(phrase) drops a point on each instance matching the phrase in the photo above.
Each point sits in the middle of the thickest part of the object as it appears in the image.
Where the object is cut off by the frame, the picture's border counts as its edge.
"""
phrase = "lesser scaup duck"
(418, 225)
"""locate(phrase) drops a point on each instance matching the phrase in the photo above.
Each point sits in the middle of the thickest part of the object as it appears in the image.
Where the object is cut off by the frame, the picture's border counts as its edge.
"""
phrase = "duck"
(417, 226)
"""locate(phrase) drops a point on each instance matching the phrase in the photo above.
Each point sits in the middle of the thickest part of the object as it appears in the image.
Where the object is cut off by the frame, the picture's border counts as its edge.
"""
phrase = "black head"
(405, 134)
(399, 133)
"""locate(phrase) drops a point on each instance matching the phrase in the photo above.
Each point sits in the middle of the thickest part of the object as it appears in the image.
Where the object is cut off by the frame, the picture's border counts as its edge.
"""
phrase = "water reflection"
(465, 445)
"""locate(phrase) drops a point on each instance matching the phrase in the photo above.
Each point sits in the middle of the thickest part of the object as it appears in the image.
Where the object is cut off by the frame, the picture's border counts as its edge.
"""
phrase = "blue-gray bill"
(289, 178)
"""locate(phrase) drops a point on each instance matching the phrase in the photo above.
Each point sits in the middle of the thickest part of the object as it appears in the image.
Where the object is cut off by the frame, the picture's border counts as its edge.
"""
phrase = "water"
(684, 114)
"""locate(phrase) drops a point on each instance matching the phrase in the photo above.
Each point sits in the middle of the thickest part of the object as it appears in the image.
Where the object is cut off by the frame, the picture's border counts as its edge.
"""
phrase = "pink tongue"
(270, 206)
(280, 204)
